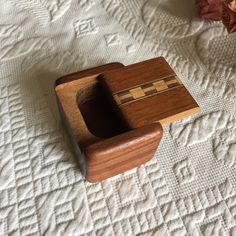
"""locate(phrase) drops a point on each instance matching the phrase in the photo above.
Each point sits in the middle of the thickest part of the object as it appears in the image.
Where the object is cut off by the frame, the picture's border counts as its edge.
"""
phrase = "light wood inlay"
(146, 90)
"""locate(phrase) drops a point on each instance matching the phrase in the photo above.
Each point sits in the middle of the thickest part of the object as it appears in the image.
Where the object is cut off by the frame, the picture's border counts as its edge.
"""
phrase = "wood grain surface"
(77, 89)
(148, 92)
(113, 156)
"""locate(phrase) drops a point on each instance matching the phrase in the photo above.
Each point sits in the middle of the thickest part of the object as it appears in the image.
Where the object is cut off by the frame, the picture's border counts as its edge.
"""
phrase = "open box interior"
(100, 117)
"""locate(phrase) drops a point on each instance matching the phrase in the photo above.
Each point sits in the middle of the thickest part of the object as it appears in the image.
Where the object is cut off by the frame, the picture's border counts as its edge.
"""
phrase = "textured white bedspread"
(188, 188)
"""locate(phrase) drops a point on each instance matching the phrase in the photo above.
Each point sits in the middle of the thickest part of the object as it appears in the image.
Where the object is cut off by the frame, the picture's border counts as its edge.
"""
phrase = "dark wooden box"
(113, 113)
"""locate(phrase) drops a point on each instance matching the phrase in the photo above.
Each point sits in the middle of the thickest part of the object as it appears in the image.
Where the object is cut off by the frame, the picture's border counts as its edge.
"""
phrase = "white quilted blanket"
(188, 188)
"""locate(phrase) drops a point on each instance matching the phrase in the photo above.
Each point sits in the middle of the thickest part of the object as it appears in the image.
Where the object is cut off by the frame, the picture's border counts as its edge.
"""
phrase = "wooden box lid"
(148, 92)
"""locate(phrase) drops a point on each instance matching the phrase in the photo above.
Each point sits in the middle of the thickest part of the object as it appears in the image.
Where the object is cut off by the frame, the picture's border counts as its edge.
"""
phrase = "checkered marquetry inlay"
(147, 89)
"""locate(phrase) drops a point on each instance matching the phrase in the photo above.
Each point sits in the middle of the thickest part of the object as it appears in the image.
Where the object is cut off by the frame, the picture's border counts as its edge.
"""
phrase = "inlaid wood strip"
(146, 90)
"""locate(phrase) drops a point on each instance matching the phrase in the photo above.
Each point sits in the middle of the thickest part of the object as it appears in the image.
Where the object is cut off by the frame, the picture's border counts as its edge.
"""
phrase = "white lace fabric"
(188, 188)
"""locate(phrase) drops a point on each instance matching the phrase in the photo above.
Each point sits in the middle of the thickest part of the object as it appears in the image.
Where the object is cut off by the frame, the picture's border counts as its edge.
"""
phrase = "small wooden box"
(113, 113)
(103, 144)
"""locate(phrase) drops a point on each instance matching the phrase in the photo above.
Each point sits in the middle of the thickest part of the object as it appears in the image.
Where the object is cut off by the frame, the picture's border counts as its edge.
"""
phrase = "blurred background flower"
(219, 10)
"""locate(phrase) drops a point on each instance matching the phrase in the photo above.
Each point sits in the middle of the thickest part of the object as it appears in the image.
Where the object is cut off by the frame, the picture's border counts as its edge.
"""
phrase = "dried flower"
(224, 10)
(210, 9)
(232, 5)
(229, 16)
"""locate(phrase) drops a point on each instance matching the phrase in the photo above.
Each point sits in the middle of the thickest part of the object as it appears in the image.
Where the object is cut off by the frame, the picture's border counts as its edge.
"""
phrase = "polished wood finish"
(148, 92)
(112, 113)
(122, 152)
(79, 97)
(108, 145)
